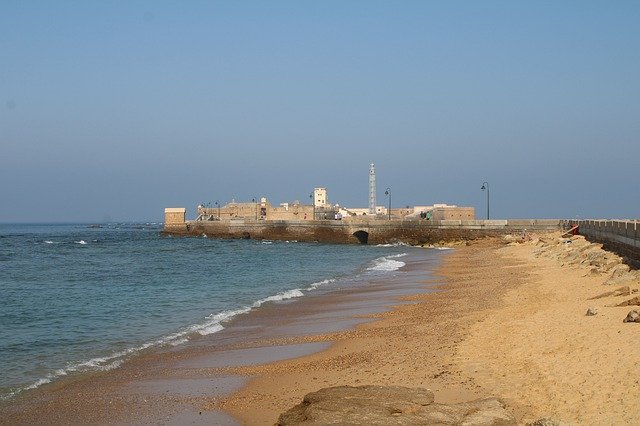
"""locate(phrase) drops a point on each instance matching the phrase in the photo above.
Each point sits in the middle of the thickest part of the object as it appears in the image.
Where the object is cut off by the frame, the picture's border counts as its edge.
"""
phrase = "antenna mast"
(372, 189)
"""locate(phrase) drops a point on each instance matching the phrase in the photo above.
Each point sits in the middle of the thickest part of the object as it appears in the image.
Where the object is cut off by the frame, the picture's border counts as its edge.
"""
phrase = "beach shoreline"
(497, 318)
(508, 321)
(174, 384)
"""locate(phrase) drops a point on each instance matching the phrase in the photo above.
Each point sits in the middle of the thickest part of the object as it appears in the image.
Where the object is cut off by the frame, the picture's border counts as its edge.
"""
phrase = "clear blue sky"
(119, 109)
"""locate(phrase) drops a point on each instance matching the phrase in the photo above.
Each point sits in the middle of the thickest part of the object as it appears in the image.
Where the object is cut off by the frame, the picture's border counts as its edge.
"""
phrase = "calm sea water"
(75, 298)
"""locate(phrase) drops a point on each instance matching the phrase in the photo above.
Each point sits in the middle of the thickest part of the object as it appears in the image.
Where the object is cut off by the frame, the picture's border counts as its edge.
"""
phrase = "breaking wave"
(387, 263)
(210, 324)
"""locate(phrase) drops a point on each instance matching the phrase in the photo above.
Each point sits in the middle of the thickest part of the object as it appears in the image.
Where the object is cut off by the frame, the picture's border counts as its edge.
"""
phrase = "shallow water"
(76, 298)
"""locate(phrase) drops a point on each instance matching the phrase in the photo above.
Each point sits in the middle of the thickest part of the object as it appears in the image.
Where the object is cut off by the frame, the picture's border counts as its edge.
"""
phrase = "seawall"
(619, 236)
(372, 231)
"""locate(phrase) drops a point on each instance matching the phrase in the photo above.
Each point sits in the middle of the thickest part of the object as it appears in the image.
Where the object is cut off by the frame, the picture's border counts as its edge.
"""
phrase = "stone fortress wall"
(358, 230)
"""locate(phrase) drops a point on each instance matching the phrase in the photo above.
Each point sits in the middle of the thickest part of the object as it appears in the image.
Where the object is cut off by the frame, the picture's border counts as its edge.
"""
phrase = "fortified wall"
(358, 230)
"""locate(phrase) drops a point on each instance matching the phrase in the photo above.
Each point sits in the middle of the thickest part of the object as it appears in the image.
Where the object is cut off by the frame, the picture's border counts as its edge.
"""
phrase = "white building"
(320, 199)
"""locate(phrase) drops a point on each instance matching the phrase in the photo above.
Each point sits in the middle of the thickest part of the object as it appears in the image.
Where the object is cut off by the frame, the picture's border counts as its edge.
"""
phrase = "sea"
(80, 298)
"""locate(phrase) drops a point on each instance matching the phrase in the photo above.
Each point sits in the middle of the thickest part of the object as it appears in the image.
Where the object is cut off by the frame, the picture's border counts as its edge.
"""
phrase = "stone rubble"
(575, 251)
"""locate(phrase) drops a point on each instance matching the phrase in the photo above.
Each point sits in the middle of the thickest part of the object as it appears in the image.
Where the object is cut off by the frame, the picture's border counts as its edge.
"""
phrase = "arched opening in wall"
(362, 236)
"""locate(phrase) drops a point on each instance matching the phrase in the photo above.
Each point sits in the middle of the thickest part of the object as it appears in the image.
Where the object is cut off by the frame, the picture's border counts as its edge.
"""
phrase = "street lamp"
(485, 185)
(218, 204)
(313, 203)
(388, 193)
(256, 203)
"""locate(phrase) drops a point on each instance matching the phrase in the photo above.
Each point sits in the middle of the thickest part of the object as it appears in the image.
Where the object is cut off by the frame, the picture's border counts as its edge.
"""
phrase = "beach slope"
(509, 321)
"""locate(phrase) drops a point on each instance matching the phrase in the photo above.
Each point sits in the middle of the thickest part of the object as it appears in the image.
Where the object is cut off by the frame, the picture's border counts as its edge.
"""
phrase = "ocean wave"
(315, 285)
(387, 263)
(398, 244)
(214, 328)
(211, 324)
(81, 242)
(39, 382)
(395, 256)
(94, 364)
(179, 341)
(289, 294)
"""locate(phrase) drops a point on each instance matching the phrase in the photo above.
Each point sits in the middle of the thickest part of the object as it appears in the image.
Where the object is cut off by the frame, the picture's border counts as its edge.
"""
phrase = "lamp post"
(313, 203)
(388, 193)
(485, 185)
(218, 204)
(256, 203)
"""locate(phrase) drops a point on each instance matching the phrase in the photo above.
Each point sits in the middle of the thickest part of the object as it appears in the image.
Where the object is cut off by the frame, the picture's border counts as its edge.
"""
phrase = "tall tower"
(372, 189)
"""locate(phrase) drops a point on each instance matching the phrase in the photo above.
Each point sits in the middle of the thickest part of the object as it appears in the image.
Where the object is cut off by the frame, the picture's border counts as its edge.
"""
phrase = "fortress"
(324, 222)
(261, 221)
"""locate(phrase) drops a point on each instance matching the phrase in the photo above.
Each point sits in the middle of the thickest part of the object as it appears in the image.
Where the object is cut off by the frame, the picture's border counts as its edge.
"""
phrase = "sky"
(114, 110)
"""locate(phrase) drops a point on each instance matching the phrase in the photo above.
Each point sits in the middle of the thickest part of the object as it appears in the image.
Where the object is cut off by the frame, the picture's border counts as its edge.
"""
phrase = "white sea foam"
(290, 294)
(388, 263)
(38, 382)
(398, 244)
(81, 242)
(314, 286)
(395, 256)
(223, 316)
(48, 242)
(111, 365)
(214, 328)
(266, 242)
(212, 324)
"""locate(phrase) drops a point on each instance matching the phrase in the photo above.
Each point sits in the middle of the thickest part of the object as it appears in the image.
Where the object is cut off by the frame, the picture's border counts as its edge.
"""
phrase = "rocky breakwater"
(608, 268)
(391, 405)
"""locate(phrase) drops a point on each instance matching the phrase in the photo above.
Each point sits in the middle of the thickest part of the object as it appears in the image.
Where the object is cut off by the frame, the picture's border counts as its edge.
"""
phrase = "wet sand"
(413, 345)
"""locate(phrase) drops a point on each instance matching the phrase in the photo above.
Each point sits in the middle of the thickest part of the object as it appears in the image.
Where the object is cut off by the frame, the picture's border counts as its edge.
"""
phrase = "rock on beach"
(391, 405)
(633, 316)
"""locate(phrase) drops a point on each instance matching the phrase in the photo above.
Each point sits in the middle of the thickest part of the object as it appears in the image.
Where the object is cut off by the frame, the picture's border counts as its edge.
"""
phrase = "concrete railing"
(625, 232)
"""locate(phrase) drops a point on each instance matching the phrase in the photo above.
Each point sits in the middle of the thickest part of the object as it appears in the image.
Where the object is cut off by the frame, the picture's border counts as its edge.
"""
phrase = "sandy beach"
(499, 318)
(509, 321)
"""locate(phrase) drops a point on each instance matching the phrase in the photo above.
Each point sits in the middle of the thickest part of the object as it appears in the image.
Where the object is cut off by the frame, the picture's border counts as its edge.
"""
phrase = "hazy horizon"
(120, 110)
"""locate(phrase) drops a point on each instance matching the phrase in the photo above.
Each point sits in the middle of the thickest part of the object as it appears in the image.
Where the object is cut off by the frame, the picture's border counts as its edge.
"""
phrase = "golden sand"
(509, 321)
